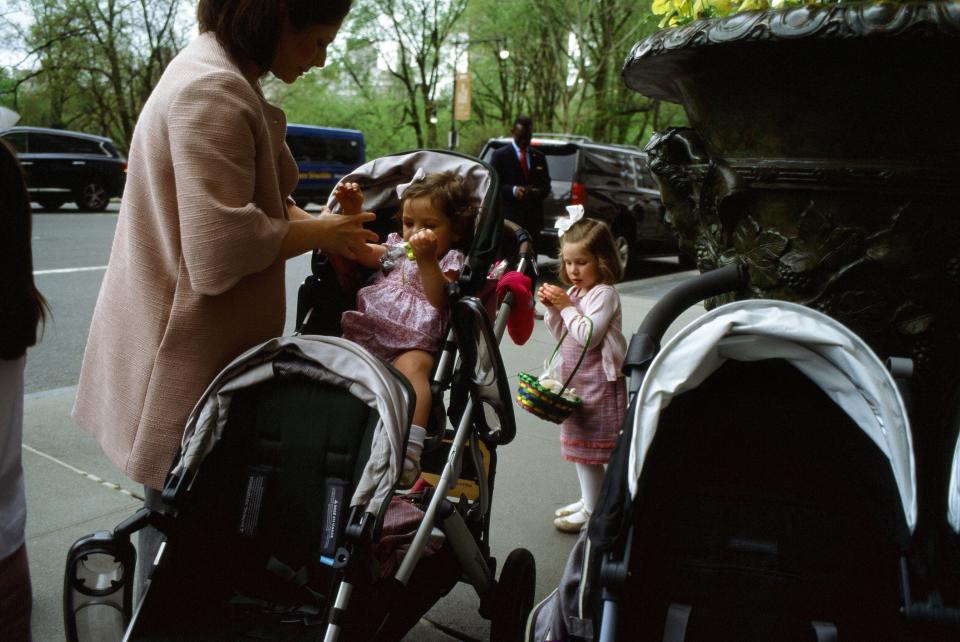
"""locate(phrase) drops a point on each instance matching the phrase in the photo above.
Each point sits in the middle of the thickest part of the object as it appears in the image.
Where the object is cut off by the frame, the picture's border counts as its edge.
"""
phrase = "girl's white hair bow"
(564, 223)
(418, 176)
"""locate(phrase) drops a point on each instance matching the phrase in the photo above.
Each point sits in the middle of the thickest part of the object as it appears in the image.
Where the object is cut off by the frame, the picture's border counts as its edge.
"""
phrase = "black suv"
(66, 166)
(613, 183)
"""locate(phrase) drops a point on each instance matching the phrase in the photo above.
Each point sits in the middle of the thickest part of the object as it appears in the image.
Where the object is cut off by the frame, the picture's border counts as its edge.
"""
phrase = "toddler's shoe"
(411, 470)
(573, 522)
(569, 509)
(411, 463)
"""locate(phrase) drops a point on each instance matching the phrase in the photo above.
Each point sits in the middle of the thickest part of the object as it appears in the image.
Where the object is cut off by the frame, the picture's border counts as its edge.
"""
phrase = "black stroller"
(287, 472)
(763, 487)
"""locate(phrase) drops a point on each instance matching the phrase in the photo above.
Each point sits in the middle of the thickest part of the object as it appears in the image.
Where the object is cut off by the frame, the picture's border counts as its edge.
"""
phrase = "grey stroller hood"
(379, 177)
(828, 353)
(328, 359)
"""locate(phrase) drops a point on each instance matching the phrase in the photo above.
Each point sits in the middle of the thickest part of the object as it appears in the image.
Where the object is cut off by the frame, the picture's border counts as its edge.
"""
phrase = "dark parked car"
(613, 183)
(66, 166)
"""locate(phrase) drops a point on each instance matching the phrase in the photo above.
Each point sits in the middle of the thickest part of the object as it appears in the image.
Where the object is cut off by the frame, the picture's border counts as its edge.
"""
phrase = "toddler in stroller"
(763, 487)
(401, 317)
(288, 466)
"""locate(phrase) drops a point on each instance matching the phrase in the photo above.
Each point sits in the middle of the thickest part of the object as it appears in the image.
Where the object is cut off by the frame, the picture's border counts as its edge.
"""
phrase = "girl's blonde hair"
(598, 240)
(449, 193)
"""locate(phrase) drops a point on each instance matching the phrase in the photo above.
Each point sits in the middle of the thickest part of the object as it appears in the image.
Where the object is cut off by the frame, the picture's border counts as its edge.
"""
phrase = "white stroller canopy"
(379, 178)
(953, 491)
(827, 352)
(337, 361)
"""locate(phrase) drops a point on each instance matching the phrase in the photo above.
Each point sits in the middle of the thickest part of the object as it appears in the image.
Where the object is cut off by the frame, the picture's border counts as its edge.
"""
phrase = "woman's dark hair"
(450, 194)
(22, 307)
(250, 29)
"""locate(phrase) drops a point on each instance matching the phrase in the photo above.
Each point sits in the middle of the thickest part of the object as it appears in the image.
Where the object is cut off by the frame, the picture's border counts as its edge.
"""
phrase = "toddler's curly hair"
(450, 194)
(598, 240)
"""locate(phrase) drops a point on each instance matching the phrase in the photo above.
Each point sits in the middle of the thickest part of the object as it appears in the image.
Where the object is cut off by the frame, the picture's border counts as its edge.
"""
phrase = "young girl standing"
(589, 265)
(401, 317)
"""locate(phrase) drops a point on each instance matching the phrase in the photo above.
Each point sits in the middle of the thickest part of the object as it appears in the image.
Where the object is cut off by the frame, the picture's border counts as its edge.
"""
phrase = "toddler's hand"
(554, 297)
(350, 197)
(424, 244)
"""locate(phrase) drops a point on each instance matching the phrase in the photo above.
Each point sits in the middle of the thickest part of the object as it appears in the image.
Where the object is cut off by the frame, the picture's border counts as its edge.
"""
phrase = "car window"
(318, 150)
(17, 140)
(644, 177)
(53, 144)
(607, 168)
(344, 151)
(561, 162)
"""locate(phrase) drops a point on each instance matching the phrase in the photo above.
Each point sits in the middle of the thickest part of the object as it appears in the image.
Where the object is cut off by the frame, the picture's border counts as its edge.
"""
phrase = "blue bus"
(324, 155)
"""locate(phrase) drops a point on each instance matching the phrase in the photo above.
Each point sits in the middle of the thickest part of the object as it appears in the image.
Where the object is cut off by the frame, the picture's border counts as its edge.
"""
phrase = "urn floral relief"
(824, 153)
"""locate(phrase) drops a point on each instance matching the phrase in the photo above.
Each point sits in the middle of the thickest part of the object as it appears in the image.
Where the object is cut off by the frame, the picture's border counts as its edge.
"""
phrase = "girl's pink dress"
(393, 314)
(590, 433)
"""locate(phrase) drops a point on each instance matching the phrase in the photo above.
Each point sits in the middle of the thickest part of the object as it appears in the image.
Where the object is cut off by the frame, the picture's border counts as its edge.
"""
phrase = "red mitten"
(520, 322)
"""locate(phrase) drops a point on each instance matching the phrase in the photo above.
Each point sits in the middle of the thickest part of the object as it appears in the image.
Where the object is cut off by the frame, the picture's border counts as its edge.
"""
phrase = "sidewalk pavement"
(72, 489)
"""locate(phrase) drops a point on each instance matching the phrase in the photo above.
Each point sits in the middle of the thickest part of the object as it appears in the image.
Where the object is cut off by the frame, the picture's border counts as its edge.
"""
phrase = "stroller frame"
(465, 523)
(614, 566)
(468, 541)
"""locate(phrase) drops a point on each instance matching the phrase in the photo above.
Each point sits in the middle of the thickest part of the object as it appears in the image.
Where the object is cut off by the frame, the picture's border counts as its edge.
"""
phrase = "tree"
(411, 36)
(96, 61)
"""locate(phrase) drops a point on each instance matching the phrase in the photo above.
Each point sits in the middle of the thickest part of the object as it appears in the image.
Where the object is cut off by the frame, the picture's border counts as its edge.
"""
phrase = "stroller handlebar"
(646, 342)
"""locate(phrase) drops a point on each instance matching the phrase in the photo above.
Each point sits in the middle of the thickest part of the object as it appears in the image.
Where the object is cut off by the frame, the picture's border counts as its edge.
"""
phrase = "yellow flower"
(753, 5)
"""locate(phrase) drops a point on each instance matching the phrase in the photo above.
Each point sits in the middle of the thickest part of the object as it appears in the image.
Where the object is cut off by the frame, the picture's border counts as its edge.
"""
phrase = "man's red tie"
(523, 164)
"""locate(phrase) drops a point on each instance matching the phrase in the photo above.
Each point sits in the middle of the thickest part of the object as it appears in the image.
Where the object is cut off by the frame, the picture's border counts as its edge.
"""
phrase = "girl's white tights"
(591, 479)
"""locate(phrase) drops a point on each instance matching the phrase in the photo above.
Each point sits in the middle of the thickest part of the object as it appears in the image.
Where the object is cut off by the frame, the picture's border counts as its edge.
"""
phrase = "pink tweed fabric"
(393, 314)
(589, 434)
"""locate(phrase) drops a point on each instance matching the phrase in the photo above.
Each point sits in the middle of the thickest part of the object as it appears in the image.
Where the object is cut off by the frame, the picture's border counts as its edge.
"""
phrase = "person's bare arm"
(331, 233)
(424, 244)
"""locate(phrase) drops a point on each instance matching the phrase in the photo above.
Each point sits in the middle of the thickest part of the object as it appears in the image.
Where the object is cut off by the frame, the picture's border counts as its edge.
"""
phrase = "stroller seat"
(288, 465)
(763, 487)
(287, 444)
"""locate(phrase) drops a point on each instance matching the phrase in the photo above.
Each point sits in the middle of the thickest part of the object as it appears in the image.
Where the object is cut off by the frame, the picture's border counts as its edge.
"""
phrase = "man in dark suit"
(524, 179)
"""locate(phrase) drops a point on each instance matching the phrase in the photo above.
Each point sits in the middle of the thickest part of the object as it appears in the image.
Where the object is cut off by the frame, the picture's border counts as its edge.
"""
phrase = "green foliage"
(94, 62)
(391, 68)
(680, 12)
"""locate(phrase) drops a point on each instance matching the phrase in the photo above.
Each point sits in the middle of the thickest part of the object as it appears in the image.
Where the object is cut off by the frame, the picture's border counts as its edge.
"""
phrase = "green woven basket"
(543, 402)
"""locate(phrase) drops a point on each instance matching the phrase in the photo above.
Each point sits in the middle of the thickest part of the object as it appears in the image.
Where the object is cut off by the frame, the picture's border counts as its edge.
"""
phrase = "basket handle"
(583, 353)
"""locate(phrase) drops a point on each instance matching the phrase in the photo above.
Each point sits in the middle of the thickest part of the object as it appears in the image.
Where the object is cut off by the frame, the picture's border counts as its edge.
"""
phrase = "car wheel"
(51, 203)
(622, 244)
(93, 197)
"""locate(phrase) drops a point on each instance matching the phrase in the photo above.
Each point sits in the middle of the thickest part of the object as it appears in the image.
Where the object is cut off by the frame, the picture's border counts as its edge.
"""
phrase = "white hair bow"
(564, 223)
(418, 176)
(8, 118)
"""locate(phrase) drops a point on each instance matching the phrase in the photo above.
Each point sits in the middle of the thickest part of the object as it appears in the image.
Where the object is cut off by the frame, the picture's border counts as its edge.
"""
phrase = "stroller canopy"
(380, 178)
(328, 359)
(827, 352)
(953, 496)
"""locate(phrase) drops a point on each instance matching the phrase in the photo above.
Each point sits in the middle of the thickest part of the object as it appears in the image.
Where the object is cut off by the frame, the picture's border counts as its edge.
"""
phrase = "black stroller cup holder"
(98, 583)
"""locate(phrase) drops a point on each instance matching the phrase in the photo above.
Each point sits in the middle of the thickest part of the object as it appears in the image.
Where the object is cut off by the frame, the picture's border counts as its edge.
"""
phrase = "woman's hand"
(345, 235)
(424, 244)
(350, 197)
(553, 297)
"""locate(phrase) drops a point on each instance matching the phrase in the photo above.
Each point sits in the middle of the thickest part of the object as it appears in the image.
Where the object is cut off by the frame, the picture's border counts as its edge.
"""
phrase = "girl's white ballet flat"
(572, 523)
(569, 509)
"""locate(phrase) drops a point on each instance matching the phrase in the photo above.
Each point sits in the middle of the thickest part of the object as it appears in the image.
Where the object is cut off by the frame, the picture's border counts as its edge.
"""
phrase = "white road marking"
(69, 270)
(83, 473)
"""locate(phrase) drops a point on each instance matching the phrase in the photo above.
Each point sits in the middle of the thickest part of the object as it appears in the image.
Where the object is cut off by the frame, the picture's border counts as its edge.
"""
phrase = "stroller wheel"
(514, 597)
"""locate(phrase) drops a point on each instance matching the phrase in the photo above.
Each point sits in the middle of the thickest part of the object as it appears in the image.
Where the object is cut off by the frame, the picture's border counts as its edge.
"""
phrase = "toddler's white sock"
(411, 464)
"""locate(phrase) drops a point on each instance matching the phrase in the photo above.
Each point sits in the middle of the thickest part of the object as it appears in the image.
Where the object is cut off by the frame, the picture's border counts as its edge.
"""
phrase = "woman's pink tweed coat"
(193, 279)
